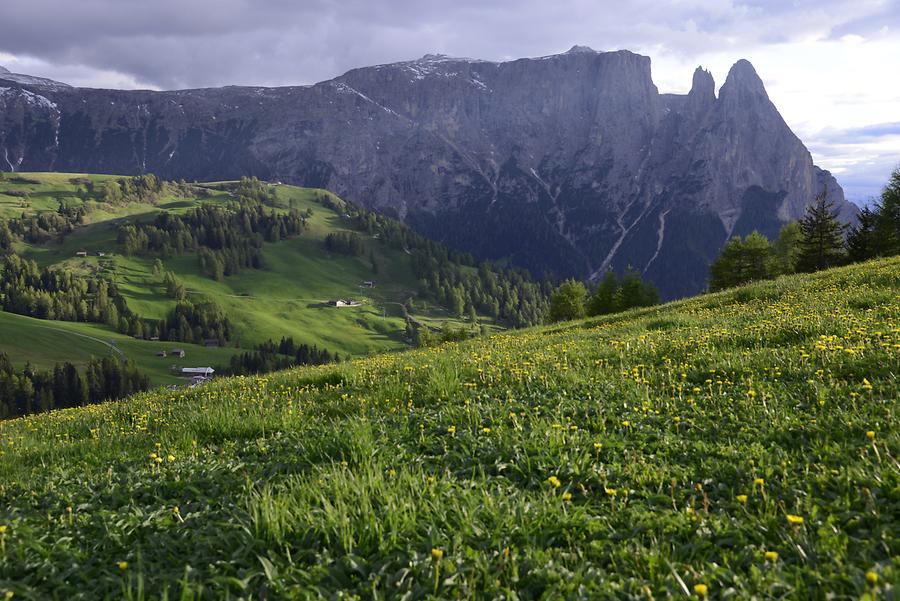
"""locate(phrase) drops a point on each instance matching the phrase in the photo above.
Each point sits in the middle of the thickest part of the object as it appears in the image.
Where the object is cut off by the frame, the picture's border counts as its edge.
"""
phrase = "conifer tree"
(603, 299)
(887, 220)
(862, 243)
(822, 244)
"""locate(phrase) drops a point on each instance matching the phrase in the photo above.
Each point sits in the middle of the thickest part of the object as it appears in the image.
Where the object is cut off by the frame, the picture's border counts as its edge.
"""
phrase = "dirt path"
(111, 345)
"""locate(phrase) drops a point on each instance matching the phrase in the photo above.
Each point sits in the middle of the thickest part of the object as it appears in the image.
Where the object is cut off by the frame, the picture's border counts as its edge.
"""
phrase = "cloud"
(824, 62)
(859, 134)
(176, 43)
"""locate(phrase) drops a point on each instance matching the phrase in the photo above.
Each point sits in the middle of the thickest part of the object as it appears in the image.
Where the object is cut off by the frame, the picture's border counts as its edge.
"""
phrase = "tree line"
(345, 243)
(270, 356)
(63, 295)
(29, 390)
(446, 276)
(38, 228)
(817, 241)
(228, 238)
(58, 294)
(573, 300)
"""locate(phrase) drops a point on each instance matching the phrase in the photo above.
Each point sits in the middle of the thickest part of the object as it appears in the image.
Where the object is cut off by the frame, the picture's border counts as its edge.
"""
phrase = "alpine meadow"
(288, 314)
(740, 442)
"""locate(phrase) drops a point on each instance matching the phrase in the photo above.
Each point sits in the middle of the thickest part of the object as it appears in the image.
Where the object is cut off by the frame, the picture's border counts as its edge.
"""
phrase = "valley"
(288, 298)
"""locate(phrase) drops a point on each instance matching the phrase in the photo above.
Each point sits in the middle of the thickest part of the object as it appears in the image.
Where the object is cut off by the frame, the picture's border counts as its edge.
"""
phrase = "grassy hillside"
(44, 343)
(738, 445)
(286, 298)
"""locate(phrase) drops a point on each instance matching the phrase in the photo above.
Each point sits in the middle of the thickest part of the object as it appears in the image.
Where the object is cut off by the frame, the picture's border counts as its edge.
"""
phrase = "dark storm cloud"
(193, 43)
(178, 43)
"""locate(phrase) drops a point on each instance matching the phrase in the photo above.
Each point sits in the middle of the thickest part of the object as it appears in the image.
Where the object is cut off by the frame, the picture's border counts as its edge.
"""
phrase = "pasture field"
(284, 299)
(736, 445)
(43, 343)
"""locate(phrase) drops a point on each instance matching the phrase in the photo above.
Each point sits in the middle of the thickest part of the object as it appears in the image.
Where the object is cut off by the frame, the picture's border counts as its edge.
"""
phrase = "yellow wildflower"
(870, 435)
(437, 554)
(742, 499)
(702, 590)
(772, 556)
(872, 577)
(794, 519)
(554, 481)
(123, 565)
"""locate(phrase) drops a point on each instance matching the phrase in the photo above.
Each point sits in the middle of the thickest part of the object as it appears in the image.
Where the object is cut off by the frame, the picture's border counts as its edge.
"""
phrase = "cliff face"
(572, 163)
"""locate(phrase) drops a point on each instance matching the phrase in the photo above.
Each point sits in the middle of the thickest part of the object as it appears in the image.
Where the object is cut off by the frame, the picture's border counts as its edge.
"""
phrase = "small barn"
(205, 372)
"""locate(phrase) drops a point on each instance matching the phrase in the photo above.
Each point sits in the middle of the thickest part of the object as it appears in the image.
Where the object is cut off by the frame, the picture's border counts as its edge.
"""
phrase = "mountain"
(571, 163)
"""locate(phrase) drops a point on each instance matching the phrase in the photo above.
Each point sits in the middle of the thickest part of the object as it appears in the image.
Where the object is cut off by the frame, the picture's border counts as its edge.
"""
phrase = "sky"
(830, 66)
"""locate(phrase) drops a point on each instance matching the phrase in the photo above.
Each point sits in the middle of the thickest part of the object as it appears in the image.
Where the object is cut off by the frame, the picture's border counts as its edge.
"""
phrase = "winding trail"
(111, 345)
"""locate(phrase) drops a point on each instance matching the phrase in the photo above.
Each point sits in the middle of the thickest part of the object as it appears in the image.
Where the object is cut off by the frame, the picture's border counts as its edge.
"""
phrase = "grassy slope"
(284, 299)
(44, 343)
(653, 423)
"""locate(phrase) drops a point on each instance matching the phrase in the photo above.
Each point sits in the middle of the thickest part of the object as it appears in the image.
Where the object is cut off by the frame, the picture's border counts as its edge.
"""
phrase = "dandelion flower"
(451, 429)
(759, 482)
(870, 435)
(872, 577)
(567, 496)
(742, 499)
(437, 554)
(772, 556)
(170, 457)
(702, 590)
(794, 519)
(123, 565)
(554, 481)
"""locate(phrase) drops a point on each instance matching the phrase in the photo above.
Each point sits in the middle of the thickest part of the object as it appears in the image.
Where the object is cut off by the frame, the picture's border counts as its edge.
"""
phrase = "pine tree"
(787, 248)
(862, 243)
(887, 221)
(603, 299)
(822, 244)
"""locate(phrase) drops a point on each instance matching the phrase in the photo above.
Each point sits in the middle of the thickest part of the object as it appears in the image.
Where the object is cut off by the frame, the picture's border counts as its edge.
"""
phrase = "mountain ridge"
(572, 163)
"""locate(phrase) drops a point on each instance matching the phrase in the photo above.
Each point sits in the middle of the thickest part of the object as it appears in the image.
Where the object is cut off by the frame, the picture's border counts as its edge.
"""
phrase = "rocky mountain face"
(571, 163)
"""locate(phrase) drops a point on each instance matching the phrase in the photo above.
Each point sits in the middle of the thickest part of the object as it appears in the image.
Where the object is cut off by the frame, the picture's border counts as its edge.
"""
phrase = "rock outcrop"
(572, 163)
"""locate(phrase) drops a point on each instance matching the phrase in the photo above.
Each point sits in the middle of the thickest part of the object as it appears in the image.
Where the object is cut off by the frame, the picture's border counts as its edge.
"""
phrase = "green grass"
(44, 343)
(632, 456)
(286, 298)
